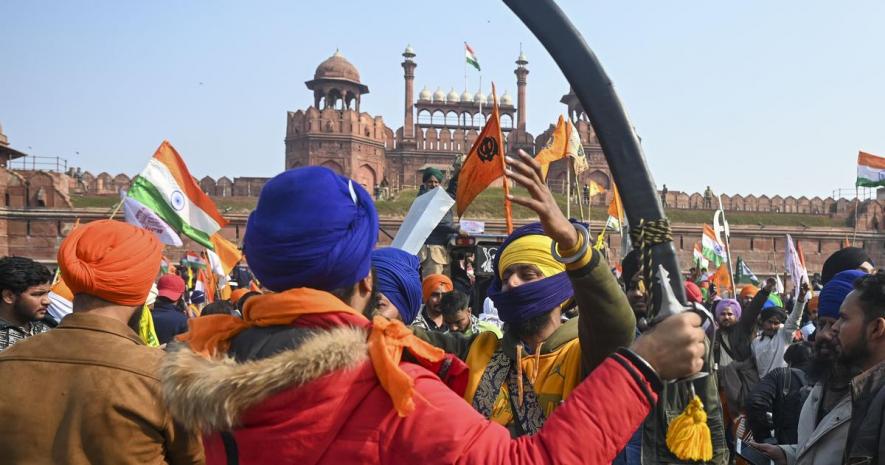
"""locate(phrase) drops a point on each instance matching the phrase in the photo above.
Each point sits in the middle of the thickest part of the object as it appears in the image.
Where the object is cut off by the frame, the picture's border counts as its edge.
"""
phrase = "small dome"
(337, 67)
(479, 98)
(506, 99)
(425, 95)
(522, 59)
(439, 96)
(466, 96)
(453, 96)
(409, 51)
(491, 97)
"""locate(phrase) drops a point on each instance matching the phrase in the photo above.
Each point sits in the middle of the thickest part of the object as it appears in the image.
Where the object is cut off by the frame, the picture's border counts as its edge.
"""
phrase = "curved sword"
(609, 119)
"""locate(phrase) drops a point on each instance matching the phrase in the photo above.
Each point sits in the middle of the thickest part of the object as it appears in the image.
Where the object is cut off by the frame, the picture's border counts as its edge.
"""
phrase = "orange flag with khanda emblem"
(484, 164)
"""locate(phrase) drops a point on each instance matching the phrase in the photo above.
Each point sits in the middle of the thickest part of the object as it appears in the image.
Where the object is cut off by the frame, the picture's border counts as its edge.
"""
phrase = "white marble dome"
(439, 96)
(506, 99)
(425, 95)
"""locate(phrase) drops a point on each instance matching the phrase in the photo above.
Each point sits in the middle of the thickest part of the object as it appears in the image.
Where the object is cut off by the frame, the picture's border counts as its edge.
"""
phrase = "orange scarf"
(211, 334)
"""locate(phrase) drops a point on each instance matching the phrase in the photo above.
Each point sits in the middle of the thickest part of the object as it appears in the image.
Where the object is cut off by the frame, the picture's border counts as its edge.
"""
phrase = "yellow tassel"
(688, 436)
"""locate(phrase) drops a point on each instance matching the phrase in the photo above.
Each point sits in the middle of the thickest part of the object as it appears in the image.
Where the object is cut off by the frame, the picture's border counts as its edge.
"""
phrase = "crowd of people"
(351, 353)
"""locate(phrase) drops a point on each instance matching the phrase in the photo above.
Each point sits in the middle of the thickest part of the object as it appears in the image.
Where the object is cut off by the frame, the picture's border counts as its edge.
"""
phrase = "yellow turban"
(533, 249)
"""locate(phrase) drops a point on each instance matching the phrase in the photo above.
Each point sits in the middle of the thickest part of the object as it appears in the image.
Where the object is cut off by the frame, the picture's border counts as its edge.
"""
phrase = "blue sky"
(749, 97)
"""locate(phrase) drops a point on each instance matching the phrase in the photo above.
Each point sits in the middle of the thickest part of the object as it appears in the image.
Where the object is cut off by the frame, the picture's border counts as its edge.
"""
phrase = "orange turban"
(431, 284)
(111, 260)
(749, 291)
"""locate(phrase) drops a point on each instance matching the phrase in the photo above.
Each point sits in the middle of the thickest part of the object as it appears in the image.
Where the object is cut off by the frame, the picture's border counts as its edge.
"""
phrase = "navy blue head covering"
(531, 299)
(311, 228)
(835, 291)
(398, 278)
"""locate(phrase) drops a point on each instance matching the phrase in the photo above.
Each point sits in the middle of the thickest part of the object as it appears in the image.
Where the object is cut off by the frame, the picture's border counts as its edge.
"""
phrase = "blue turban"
(397, 277)
(835, 291)
(311, 228)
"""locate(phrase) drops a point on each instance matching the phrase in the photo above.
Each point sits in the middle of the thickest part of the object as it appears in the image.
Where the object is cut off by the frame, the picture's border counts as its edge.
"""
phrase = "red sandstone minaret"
(409, 66)
(521, 73)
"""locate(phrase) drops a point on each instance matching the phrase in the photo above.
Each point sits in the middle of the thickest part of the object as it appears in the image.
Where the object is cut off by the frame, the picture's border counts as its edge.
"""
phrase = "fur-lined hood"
(212, 394)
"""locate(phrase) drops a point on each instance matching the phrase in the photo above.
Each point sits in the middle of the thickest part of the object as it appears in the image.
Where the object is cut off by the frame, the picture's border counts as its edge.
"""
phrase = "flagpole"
(856, 205)
(117, 208)
(568, 187)
(727, 247)
(581, 197)
(465, 67)
(508, 210)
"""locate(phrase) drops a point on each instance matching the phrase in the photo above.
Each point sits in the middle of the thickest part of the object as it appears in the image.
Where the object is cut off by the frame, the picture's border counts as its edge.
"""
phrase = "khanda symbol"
(487, 149)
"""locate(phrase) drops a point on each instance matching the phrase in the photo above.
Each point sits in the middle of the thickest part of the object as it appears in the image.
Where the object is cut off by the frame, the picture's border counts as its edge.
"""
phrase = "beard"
(854, 355)
(823, 364)
(24, 313)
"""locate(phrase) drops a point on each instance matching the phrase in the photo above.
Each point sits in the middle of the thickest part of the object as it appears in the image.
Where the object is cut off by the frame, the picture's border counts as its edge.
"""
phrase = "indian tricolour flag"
(870, 170)
(471, 57)
(711, 248)
(167, 187)
(698, 257)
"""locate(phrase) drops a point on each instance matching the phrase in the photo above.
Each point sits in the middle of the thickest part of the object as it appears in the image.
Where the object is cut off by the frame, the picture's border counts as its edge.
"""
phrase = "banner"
(139, 215)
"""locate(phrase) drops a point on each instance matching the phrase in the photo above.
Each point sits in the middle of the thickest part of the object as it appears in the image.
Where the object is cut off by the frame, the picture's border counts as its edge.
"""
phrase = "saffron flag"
(722, 279)
(615, 211)
(221, 262)
(870, 170)
(470, 55)
(564, 142)
(711, 247)
(484, 163)
(227, 253)
(168, 189)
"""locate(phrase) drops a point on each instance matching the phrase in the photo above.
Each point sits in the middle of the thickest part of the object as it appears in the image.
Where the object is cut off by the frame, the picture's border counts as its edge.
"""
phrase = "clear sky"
(757, 97)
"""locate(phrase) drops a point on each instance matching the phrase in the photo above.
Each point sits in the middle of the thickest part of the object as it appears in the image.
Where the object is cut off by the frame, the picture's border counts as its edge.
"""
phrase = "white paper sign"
(473, 227)
(424, 214)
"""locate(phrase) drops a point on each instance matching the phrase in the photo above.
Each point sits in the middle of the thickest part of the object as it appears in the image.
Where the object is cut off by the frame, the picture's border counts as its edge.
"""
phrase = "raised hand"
(526, 172)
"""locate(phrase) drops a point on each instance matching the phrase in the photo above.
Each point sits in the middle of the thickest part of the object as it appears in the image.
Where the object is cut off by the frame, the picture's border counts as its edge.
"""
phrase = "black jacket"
(741, 335)
(866, 435)
(781, 392)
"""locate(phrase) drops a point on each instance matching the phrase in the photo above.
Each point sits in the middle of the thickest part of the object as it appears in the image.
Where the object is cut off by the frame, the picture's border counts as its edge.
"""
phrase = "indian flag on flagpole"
(870, 170)
(698, 257)
(168, 189)
(471, 57)
(711, 248)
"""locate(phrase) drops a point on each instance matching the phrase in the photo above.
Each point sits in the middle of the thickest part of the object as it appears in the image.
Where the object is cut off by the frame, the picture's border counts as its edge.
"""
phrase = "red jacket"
(321, 403)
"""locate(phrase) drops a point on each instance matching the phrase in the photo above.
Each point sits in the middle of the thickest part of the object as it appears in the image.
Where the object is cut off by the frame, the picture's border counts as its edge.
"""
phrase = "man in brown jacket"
(87, 392)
